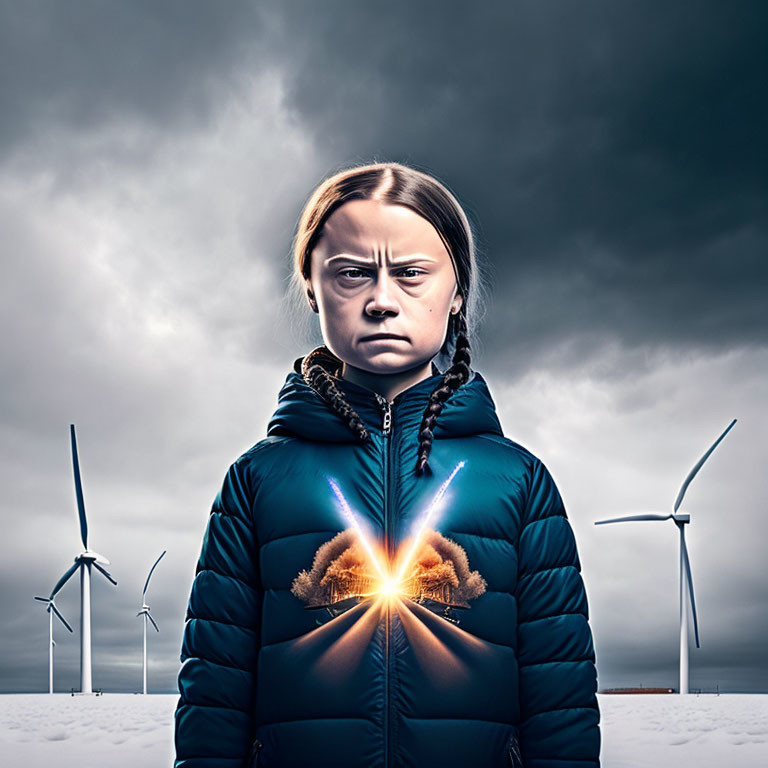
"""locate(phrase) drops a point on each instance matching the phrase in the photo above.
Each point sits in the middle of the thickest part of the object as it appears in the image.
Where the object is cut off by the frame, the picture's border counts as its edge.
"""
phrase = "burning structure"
(342, 575)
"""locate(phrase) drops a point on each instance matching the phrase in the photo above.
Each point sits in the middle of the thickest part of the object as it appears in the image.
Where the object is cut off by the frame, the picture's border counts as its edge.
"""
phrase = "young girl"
(386, 580)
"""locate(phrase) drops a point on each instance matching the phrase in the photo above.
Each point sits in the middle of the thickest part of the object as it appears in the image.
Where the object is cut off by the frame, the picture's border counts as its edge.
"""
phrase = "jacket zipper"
(386, 428)
(255, 749)
(513, 751)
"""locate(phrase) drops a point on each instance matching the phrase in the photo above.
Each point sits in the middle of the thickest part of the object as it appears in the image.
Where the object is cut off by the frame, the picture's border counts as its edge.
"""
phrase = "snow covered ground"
(122, 730)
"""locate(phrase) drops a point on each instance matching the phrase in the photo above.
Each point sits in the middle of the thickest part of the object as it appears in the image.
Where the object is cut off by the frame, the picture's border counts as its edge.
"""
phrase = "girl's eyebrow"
(372, 263)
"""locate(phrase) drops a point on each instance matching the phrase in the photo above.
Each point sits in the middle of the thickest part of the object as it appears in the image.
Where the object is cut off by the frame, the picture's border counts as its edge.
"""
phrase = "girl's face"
(382, 269)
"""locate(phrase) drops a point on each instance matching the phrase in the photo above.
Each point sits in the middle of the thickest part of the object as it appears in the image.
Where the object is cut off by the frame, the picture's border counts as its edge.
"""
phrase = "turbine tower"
(83, 562)
(147, 615)
(686, 580)
(51, 608)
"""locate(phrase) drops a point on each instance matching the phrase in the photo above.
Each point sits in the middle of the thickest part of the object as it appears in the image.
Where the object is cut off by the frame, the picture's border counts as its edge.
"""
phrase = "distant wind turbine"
(83, 561)
(51, 608)
(685, 566)
(147, 615)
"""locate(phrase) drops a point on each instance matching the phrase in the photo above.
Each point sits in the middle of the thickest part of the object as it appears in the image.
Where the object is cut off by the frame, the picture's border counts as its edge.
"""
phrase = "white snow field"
(638, 731)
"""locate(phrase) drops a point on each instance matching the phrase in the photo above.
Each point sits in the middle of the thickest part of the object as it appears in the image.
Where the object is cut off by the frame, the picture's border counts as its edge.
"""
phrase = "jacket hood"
(302, 412)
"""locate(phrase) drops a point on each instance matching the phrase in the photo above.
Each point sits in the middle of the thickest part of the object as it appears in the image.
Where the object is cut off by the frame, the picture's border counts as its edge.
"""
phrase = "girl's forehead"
(367, 228)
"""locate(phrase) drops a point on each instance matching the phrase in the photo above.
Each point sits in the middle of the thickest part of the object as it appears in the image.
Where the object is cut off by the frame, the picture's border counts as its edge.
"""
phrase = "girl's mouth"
(384, 337)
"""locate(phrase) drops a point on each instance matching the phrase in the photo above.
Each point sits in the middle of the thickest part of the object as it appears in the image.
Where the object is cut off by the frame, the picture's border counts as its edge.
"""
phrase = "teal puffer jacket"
(349, 612)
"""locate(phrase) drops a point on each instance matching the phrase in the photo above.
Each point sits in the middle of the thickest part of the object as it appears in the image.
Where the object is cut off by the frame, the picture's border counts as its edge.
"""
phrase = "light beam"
(426, 521)
(364, 540)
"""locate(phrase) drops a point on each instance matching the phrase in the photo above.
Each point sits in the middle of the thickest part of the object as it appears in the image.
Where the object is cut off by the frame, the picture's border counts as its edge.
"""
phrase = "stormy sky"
(154, 159)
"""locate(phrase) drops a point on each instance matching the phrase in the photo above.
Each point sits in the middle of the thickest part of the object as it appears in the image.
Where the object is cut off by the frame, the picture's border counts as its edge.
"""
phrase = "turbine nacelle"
(82, 561)
(89, 554)
(145, 612)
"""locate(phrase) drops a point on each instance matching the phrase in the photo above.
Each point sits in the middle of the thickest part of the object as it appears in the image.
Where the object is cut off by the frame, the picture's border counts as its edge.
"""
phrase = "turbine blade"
(690, 589)
(63, 580)
(149, 616)
(146, 584)
(698, 466)
(79, 489)
(99, 558)
(98, 567)
(633, 517)
(56, 611)
(44, 599)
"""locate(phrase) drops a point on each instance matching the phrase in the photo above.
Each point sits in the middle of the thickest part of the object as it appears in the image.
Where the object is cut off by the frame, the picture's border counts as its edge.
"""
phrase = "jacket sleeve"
(213, 718)
(559, 714)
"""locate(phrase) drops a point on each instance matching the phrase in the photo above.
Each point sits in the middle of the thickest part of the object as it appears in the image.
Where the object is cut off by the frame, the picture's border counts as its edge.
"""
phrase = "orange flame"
(341, 570)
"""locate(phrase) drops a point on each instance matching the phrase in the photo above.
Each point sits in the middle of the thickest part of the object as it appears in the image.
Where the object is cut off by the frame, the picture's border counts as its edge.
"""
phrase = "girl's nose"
(382, 296)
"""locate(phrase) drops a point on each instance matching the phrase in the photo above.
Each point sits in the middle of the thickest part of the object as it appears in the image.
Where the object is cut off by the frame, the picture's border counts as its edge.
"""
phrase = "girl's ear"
(458, 300)
(311, 297)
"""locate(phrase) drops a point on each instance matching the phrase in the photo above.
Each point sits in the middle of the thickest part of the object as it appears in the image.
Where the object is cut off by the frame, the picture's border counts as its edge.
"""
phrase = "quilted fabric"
(487, 661)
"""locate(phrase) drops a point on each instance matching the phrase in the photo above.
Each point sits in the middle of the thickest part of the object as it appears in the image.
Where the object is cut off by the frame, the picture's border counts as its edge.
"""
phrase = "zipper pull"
(387, 408)
(255, 749)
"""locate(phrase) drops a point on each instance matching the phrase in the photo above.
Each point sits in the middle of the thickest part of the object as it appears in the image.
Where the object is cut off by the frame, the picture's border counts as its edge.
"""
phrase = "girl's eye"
(345, 272)
(354, 272)
(414, 272)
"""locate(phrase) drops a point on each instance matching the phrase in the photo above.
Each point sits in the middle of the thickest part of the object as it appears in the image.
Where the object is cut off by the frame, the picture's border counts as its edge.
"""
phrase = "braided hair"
(321, 367)
(453, 378)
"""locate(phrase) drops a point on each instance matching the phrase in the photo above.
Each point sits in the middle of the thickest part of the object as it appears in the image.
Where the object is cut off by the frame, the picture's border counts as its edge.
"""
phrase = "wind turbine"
(147, 615)
(83, 561)
(685, 566)
(51, 608)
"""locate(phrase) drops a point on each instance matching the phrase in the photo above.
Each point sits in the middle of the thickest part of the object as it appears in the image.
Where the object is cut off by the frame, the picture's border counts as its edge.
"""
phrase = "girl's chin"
(386, 364)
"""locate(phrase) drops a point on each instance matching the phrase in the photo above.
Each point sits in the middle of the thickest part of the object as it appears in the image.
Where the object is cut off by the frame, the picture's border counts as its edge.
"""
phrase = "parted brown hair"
(395, 184)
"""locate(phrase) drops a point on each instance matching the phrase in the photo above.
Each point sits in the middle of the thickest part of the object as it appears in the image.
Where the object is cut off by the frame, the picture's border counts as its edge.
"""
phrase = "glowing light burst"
(426, 521)
(388, 585)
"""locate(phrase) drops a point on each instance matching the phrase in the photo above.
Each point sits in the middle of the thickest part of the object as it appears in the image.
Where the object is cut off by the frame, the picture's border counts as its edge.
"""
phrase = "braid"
(319, 368)
(453, 378)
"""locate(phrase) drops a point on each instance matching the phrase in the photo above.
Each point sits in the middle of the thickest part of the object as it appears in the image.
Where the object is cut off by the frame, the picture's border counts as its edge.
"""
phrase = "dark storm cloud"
(613, 154)
(81, 63)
